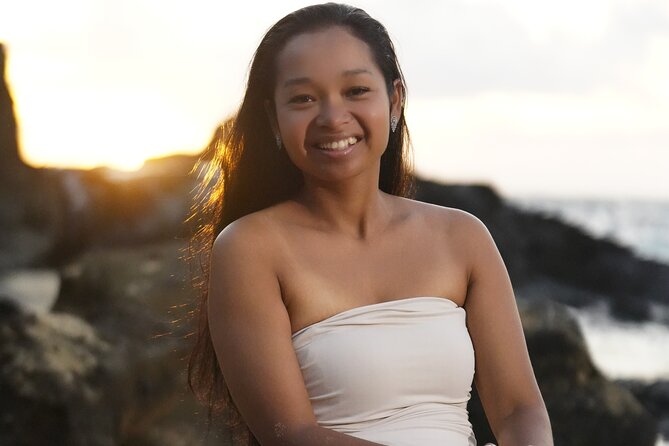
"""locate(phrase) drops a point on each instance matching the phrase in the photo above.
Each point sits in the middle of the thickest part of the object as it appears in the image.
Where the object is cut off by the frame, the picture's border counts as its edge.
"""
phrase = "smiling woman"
(323, 280)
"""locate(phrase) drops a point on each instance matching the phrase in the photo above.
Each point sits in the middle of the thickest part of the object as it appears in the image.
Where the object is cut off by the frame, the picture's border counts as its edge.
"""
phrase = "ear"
(271, 116)
(397, 99)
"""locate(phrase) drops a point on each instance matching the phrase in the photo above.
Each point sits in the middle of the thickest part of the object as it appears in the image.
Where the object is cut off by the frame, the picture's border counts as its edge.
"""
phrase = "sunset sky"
(566, 98)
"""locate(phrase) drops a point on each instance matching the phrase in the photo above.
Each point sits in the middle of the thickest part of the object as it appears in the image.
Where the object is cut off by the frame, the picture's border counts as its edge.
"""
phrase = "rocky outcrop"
(106, 365)
(29, 208)
(655, 398)
(138, 299)
(53, 381)
(11, 166)
(102, 207)
(585, 408)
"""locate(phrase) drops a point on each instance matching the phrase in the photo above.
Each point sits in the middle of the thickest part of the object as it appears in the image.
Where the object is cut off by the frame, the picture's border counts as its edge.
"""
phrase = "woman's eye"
(301, 99)
(357, 91)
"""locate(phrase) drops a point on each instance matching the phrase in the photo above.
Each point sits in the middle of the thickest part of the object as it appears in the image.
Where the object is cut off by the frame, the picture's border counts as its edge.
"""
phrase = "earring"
(278, 141)
(393, 123)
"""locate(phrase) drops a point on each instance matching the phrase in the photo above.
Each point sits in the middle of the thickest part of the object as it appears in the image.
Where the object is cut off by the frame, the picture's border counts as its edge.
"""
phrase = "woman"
(337, 311)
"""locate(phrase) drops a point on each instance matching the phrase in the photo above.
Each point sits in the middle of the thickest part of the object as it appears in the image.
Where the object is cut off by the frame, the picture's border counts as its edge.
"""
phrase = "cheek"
(379, 120)
(292, 123)
(293, 128)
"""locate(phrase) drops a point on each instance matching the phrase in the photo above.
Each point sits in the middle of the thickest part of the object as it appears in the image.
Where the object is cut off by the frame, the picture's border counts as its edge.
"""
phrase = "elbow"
(528, 424)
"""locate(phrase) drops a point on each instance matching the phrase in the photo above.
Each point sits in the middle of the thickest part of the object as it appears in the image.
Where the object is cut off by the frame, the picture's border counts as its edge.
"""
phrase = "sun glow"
(86, 128)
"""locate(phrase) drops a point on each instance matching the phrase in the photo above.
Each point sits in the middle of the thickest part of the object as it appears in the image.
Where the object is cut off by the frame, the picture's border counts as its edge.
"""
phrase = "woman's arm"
(251, 333)
(504, 377)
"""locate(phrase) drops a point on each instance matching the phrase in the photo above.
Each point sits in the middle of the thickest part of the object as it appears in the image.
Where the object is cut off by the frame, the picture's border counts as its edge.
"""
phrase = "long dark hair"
(244, 172)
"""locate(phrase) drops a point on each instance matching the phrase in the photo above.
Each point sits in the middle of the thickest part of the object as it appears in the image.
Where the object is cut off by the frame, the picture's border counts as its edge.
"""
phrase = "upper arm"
(251, 334)
(504, 377)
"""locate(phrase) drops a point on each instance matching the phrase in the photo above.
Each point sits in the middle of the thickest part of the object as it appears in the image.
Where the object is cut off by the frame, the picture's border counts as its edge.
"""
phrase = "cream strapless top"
(398, 373)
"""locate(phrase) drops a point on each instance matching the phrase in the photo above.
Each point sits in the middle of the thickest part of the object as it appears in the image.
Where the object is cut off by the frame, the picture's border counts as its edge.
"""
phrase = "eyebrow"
(306, 80)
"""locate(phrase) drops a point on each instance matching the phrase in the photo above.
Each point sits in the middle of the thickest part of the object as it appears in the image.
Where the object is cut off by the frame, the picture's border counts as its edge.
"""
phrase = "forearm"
(525, 426)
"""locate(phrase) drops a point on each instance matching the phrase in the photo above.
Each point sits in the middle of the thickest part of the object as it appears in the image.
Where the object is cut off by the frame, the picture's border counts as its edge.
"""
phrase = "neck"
(356, 208)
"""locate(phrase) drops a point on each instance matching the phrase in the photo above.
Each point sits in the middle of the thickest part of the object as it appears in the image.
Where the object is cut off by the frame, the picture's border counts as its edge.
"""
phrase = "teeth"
(339, 145)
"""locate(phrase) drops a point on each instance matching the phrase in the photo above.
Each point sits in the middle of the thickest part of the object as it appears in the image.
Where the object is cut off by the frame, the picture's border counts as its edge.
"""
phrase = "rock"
(52, 380)
(655, 398)
(11, 167)
(585, 408)
(106, 367)
(138, 300)
(145, 208)
(103, 207)
(29, 212)
(115, 288)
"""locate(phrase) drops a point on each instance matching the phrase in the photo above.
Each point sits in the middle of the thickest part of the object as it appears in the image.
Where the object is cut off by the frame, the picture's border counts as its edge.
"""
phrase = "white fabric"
(398, 373)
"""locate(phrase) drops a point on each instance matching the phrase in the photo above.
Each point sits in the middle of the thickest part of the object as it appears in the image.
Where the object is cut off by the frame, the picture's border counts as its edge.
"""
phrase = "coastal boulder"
(584, 406)
(138, 299)
(53, 381)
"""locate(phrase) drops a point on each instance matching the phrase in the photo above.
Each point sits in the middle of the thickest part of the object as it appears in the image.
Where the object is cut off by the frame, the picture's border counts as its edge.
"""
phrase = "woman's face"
(332, 105)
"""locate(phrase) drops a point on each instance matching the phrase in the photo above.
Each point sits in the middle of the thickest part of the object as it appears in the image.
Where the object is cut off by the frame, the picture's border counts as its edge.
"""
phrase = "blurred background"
(549, 121)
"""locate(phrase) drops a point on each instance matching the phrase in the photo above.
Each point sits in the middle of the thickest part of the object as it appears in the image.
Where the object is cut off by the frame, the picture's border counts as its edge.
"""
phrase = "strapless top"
(398, 373)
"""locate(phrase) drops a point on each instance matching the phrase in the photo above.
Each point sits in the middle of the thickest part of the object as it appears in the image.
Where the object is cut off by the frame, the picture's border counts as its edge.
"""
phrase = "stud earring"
(278, 141)
(393, 123)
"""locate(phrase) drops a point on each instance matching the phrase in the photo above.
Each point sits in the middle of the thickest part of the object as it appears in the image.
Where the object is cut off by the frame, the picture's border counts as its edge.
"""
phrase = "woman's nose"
(332, 114)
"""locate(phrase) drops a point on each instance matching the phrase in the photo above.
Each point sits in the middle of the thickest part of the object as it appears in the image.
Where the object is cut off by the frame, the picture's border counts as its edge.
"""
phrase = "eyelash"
(359, 90)
(352, 92)
(300, 99)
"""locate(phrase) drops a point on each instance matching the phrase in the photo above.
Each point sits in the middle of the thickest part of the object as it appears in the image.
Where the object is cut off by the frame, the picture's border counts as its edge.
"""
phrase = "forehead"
(329, 51)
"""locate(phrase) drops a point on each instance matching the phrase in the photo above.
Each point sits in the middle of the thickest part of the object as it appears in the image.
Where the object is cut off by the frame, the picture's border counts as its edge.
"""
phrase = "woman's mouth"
(338, 145)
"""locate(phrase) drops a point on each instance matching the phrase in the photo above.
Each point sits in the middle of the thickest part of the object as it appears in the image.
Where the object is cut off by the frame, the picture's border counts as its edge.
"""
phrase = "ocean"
(621, 350)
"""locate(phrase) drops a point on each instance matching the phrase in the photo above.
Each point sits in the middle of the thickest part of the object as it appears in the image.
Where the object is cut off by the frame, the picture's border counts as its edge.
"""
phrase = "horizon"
(533, 100)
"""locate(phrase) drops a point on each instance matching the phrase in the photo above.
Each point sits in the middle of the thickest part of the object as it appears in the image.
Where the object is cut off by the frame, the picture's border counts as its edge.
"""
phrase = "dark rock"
(109, 208)
(9, 307)
(52, 382)
(11, 167)
(110, 371)
(584, 407)
(29, 209)
(655, 398)
(138, 300)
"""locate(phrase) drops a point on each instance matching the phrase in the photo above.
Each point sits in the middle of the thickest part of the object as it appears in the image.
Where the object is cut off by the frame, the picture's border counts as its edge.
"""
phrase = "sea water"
(621, 350)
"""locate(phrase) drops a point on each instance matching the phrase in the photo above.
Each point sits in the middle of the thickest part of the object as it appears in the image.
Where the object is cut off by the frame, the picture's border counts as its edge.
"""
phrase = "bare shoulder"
(251, 235)
(448, 221)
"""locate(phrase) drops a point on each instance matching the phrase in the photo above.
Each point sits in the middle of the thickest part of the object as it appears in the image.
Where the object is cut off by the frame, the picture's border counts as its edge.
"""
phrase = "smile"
(341, 144)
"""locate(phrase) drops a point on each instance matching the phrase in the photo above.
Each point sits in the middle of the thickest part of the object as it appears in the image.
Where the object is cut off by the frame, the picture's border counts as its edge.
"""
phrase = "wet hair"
(244, 172)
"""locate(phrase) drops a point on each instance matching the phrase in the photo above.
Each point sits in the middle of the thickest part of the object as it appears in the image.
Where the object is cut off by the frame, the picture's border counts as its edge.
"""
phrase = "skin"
(342, 243)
